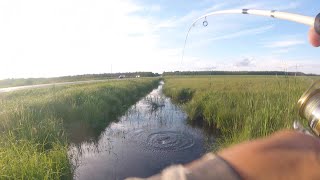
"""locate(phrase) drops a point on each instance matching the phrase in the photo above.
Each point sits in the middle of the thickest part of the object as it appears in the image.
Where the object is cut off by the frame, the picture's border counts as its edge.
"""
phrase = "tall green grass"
(239, 107)
(37, 125)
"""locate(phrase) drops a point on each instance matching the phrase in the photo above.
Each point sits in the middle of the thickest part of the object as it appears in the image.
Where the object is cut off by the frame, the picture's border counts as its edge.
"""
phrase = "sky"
(42, 38)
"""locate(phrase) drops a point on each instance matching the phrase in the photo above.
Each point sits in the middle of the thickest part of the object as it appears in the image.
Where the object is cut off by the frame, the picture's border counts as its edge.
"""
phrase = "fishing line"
(307, 20)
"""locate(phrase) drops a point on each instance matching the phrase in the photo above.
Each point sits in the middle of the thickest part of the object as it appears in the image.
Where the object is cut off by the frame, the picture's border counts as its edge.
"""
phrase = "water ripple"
(163, 140)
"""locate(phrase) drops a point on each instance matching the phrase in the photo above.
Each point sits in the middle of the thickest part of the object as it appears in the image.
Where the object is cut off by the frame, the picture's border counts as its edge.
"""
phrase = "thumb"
(314, 38)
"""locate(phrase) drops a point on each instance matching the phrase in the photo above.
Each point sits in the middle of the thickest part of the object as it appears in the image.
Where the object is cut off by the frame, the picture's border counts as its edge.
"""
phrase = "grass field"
(4, 83)
(239, 107)
(37, 125)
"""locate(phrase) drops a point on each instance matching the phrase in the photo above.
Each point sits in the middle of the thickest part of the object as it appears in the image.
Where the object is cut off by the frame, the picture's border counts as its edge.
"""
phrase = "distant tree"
(182, 73)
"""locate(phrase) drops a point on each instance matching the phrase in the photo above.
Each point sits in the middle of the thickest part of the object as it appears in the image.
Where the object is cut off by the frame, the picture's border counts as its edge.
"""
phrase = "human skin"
(314, 38)
(284, 155)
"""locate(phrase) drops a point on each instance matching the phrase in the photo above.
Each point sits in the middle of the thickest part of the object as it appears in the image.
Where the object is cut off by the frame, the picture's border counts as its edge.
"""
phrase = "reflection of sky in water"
(150, 136)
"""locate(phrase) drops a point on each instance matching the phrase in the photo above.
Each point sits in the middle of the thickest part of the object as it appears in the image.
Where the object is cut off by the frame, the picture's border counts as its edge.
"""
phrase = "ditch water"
(152, 135)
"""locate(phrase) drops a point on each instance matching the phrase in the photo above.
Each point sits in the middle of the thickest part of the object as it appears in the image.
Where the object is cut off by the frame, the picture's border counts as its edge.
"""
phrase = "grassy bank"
(37, 125)
(85, 77)
(239, 107)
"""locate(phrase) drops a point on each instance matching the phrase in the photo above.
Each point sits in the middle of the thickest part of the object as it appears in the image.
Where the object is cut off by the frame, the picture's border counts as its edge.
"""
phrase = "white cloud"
(281, 51)
(271, 5)
(215, 7)
(188, 18)
(276, 63)
(289, 6)
(246, 62)
(63, 37)
(255, 5)
(155, 8)
(251, 31)
(230, 35)
(250, 63)
(284, 43)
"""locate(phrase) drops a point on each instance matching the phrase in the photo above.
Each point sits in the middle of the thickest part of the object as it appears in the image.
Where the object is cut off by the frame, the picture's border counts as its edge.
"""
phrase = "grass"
(239, 107)
(85, 77)
(37, 125)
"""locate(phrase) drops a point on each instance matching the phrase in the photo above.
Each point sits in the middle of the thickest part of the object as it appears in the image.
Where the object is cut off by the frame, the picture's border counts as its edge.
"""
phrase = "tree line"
(280, 73)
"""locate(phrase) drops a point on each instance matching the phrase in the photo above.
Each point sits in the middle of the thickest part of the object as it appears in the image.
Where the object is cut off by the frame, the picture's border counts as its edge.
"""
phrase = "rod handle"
(317, 24)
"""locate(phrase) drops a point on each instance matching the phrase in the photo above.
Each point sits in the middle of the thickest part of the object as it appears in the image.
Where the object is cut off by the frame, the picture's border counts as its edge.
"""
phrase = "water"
(152, 135)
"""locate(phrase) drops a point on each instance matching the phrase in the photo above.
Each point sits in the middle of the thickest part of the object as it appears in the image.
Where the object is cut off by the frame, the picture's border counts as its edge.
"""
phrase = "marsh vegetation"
(239, 107)
(37, 125)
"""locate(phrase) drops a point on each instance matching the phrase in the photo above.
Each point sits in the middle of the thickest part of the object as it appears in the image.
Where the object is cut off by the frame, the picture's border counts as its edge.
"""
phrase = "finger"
(314, 38)
(292, 140)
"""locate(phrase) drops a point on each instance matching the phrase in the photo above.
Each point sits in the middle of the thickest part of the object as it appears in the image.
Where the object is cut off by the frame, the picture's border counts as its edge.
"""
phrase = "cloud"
(284, 43)
(215, 7)
(210, 68)
(188, 18)
(246, 62)
(255, 5)
(193, 63)
(155, 8)
(67, 37)
(271, 5)
(169, 23)
(282, 51)
(241, 33)
(258, 63)
(251, 31)
(289, 6)
(278, 63)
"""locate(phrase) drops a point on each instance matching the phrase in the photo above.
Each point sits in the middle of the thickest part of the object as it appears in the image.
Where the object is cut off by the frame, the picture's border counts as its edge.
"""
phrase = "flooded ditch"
(152, 135)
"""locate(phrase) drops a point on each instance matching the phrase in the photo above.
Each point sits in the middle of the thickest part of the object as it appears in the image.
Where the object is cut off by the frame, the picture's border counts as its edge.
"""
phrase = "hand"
(314, 38)
(285, 155)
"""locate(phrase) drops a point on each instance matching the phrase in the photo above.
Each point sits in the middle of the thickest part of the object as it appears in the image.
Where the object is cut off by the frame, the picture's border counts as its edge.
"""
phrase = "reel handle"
(299, 127)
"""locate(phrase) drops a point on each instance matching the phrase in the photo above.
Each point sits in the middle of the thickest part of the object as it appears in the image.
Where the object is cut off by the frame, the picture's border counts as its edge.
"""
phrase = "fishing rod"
(309, 103)
(306, 20)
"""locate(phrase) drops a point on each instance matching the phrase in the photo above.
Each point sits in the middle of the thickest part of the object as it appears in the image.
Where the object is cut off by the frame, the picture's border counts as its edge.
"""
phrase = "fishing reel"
(309, 109)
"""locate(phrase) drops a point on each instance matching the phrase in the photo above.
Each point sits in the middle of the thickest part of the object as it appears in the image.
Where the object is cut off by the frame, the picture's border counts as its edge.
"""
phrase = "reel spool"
(309, 107)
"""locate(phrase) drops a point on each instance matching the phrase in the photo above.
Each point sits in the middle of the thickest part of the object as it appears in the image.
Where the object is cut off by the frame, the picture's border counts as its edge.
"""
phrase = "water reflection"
(150, 136)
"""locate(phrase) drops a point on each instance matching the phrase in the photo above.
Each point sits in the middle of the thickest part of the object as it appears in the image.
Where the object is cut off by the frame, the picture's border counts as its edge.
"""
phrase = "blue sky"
(40, 38)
